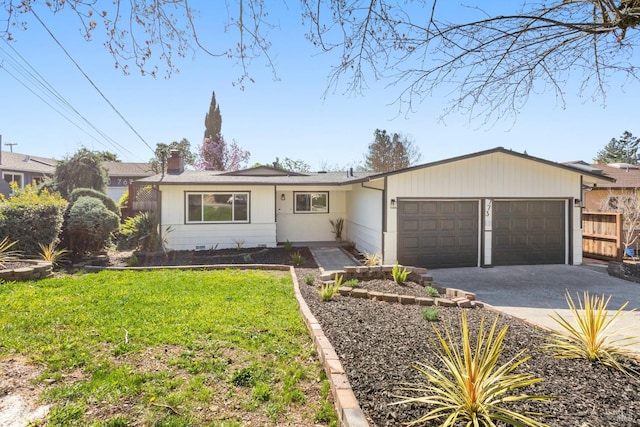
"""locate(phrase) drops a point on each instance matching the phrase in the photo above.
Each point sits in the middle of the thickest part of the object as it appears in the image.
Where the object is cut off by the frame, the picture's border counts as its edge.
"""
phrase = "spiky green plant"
(352, 283)
(329, 290)
(297, 258)
(473, 388)
(589, 336)
(52, 254)
(6, 254)
(399, 274)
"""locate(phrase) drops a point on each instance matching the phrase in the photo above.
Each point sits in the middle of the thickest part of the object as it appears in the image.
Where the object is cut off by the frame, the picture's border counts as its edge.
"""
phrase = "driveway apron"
(533, 292)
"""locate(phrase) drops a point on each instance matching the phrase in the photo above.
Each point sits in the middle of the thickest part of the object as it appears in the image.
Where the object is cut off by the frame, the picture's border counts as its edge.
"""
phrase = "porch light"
(576, 202)
(282, 196)
(393, 203)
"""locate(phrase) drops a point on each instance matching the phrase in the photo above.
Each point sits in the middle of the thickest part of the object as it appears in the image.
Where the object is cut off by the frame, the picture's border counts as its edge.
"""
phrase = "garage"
(438, 233)
(528, 232)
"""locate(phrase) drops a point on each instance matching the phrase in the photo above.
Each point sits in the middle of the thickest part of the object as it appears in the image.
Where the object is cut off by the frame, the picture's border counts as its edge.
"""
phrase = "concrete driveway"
(533, 292)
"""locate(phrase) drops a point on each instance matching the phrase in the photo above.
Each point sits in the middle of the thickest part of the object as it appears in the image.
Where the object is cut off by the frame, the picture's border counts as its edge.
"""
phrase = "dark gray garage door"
(438, 233)
(528, 232)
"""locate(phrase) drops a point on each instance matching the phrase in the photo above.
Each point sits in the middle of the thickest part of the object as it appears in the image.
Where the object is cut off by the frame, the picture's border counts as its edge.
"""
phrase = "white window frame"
(310, 194)
(231, 200)
(13, 175)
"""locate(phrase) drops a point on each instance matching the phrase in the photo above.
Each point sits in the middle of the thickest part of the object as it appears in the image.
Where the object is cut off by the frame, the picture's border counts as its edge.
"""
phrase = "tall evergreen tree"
(214, 153)
(623, 150)
(213, 120)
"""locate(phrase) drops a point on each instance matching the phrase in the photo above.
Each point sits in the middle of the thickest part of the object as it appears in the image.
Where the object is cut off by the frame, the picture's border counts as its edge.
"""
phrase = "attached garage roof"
(596, 174)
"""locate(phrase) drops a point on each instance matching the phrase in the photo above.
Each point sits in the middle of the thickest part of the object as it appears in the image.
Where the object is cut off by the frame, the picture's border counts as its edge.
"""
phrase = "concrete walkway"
(331, 259)
(534, 292)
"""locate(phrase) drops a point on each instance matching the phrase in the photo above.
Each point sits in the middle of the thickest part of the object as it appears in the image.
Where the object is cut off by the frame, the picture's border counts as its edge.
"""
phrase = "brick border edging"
(347, 407)
(37, 270)
(349, 412)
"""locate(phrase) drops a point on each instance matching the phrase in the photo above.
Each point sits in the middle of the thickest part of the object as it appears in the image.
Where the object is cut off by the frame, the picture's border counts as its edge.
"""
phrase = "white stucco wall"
(364, 213)
(309, 227)
(260, 231)
(493, 176)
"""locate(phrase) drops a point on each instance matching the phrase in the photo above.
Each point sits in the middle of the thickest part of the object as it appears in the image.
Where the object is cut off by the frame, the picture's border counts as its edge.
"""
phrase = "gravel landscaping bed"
(377, 342)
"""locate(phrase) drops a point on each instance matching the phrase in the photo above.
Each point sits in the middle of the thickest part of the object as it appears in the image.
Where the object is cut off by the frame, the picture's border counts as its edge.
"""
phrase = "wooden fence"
(602, 235)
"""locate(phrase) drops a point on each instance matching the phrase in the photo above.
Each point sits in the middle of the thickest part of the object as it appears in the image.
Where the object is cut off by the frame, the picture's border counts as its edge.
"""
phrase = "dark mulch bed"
(377, 342)
(221, 256)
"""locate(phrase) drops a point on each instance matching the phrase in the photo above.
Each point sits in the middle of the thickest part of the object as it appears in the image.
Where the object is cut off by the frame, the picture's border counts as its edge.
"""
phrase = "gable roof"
(18, 162)
(502, 150)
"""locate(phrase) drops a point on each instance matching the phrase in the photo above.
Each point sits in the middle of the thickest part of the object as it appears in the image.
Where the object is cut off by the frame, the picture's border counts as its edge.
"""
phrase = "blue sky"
(285, 118)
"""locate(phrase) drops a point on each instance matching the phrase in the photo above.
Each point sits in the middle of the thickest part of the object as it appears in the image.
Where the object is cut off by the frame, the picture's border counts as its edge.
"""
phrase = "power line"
(38, 80)
(91, 81)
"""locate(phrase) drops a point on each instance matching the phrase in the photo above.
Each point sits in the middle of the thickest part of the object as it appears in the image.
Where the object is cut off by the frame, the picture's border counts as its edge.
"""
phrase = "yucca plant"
(329, 290)
(399, 274)
(473, 388)
(297, 258)
(372, 259)
(589, 336)
(6, 254)
(52, 254)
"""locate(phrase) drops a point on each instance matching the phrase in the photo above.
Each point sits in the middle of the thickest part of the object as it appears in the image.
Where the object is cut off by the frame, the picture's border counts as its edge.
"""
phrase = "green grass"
(163, 344)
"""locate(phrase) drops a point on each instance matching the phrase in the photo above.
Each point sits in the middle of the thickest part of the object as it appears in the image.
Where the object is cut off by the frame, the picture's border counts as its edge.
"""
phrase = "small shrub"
(132, 261)
(337, 226)
(262, 392)
(52, 254)
(309, 279)
(399, 274)
(430, 314)
(352, 283)
(239, 243)
(372, 259)
(31, 217)
(431, 291)
(471, 387)
(213, 248)
(590, 338)
(297, 258)
(329, 290)
(247, 258)
(89, 225)
(244, 377)
(288, 246)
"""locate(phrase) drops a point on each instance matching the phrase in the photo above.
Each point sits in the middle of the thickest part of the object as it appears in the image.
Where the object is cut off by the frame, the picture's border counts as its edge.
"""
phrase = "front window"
(218, 207)
(13, 177)
(312, 202)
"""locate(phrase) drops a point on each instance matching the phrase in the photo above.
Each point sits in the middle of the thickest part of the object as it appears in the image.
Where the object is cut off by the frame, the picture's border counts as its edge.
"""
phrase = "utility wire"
(38, 80)
(91, 81)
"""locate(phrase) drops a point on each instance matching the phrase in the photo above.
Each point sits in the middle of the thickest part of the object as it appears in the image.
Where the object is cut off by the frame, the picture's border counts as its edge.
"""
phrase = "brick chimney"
(175, 163)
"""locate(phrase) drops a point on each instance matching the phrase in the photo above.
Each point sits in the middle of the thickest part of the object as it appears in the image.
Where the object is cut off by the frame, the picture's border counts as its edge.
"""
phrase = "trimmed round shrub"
(89, 225)
(90, 192)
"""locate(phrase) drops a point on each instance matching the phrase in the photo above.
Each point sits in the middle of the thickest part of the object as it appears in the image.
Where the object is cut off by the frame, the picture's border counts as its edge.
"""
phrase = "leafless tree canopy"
(494, 54)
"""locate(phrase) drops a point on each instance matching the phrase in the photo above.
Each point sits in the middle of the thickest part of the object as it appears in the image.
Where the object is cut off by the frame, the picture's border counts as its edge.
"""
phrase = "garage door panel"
(410, 208)
(448, 233)
(528, 232)
(410, 225)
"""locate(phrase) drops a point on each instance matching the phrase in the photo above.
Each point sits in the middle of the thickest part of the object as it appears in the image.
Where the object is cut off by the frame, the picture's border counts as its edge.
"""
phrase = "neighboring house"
(23, 169)
(121, 174)
(495, 207)
(26, 169)
(607, 196)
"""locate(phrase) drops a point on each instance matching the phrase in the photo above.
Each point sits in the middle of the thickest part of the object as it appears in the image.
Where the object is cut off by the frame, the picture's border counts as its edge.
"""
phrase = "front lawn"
(167, 348)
